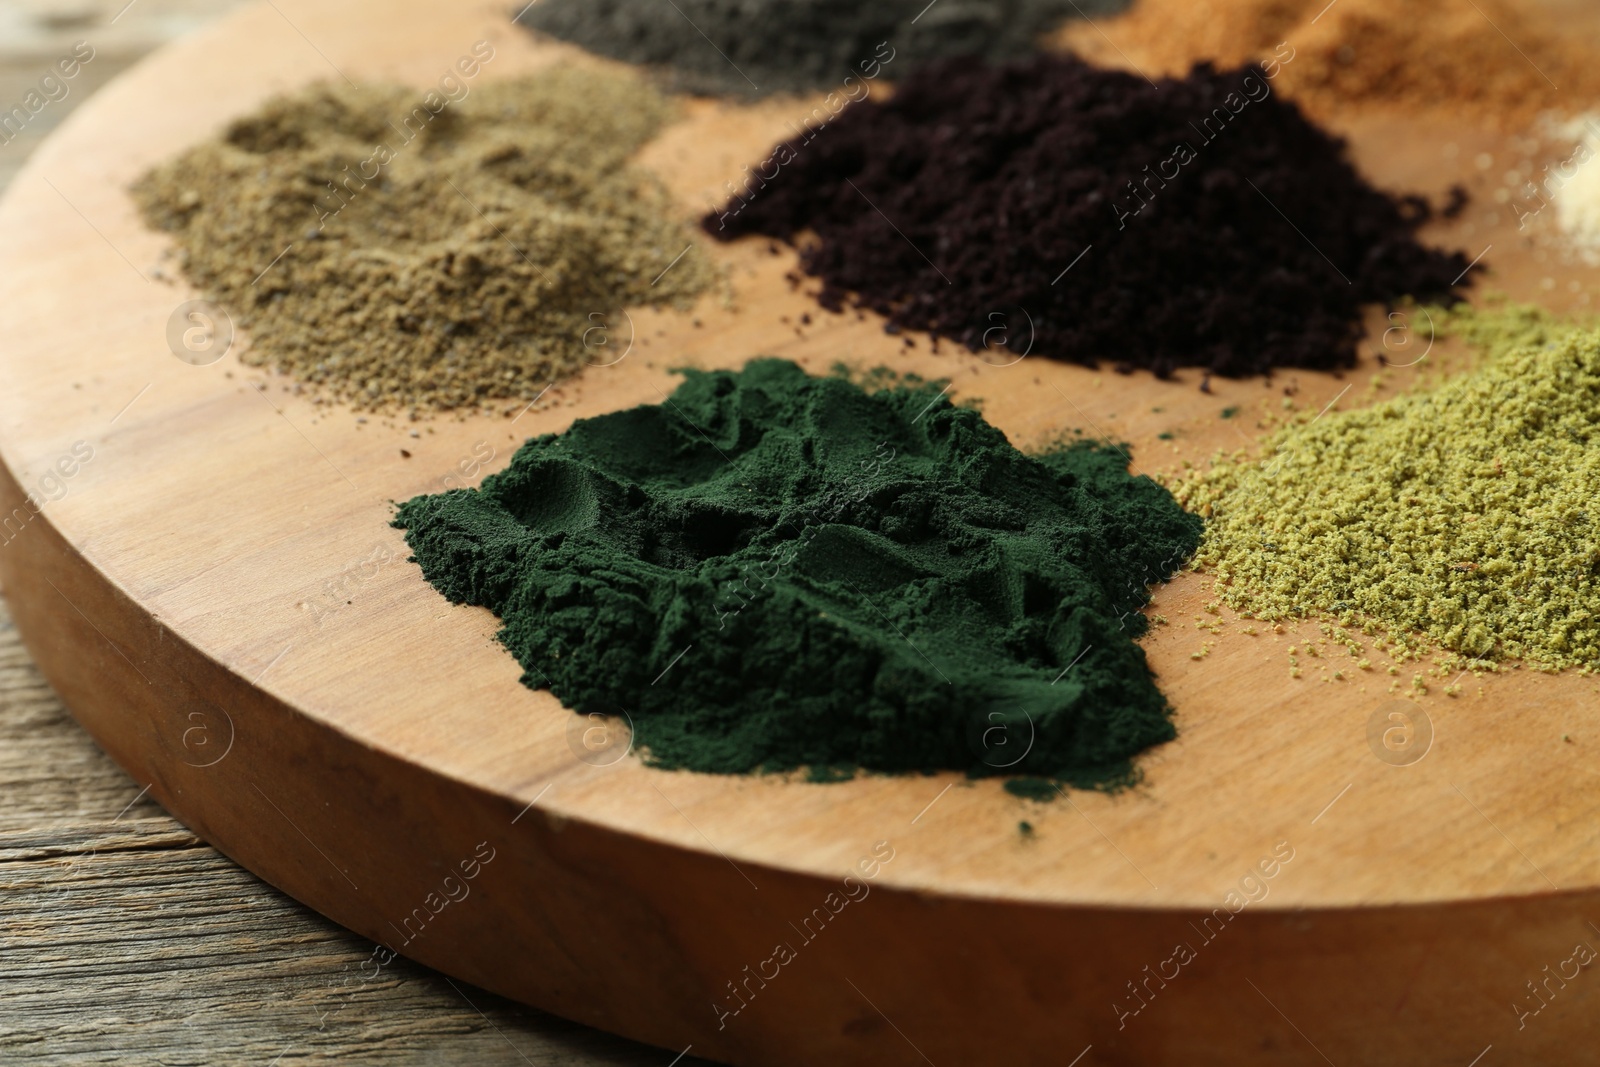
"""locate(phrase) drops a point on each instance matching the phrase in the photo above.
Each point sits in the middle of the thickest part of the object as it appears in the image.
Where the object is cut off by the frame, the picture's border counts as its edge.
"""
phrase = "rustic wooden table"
(123, 938)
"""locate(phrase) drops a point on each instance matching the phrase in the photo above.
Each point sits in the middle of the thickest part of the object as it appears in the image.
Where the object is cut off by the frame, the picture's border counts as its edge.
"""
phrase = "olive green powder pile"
(772, 571)
(1467, 514)
(395, 256)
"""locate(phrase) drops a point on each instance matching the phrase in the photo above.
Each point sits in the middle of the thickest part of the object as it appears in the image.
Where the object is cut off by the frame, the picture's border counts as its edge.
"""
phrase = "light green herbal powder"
(1469, 513)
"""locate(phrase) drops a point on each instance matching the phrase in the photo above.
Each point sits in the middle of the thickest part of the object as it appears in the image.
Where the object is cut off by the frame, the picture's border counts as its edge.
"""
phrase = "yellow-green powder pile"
(1468, 514)
(397, 248)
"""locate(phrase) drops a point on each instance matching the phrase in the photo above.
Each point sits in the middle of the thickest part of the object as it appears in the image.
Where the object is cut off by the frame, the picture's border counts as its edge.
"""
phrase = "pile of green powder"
(773, 571)
(1468, 513)
(397, 256)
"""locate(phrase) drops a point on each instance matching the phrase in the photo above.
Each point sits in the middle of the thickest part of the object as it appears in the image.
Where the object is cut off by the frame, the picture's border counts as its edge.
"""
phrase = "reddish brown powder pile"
(1491, 59)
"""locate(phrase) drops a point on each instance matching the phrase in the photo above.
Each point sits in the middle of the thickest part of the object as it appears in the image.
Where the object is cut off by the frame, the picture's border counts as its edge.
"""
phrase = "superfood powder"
(397, 257)
(1466, 514)
(1198, 221)
(1572, 185)
(1494, 60)
(772, 571)
(758, 47)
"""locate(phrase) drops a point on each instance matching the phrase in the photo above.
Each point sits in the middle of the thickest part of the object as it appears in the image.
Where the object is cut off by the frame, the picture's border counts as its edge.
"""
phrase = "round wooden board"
(218, 596)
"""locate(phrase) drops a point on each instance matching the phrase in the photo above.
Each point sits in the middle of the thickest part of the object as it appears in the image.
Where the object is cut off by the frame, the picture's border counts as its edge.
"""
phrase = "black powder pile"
(772, 571)
(758, 47)
(1198, 221)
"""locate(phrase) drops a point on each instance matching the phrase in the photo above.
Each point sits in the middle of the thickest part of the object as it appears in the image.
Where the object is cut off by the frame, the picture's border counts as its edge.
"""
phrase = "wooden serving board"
(217, 594)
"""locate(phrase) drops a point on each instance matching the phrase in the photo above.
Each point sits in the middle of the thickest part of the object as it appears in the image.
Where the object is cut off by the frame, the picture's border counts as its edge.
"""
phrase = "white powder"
(1573, 187)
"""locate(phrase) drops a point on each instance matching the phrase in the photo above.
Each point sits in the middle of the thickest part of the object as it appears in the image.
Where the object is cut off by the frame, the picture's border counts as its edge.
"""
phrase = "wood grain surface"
(355, 756)
(124, 939)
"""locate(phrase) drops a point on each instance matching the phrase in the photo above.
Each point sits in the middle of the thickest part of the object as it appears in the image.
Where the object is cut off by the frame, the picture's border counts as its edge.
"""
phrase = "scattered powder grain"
(772, 571)
(757, 47)
(394, 256)
(1492, 59)
(1198, 221)
(1469, 513)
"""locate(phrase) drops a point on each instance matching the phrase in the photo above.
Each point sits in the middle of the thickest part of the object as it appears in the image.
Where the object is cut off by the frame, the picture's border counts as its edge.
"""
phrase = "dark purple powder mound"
(1198, 221)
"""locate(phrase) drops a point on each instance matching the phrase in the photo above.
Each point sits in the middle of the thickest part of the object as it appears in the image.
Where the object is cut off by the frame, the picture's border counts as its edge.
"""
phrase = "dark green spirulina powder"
(774, 571)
